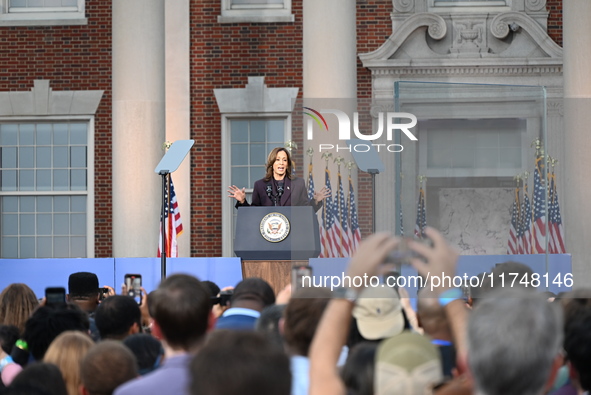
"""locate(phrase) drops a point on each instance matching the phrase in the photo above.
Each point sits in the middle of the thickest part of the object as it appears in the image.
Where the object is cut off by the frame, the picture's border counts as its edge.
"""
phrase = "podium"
(271, 239)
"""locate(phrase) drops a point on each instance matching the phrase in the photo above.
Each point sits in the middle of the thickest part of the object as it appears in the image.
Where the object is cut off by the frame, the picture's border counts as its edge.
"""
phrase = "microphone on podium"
(279, 191)
(269, 191)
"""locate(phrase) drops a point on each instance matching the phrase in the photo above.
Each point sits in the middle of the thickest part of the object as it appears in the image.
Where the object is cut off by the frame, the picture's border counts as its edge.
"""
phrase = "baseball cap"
(378, 313)
(407, 364)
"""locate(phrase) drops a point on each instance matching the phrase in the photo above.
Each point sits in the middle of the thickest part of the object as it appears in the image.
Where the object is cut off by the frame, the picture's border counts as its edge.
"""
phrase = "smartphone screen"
(301, 276)
(133, 283)
(104, 292)
(55, 296)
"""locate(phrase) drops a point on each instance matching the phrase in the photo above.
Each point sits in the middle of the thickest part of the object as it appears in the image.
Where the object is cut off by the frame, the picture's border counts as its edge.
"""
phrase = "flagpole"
(163, 173)
(338, 160)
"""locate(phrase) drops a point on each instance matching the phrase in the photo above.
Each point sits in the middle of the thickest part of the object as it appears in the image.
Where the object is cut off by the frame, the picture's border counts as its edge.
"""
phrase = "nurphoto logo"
(392, 121)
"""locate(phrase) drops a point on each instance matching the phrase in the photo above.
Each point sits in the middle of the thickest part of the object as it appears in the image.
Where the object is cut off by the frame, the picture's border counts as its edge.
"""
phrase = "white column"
(330, 72)
(178, 106)
(577, 118)
(138, 125)
(330, 49)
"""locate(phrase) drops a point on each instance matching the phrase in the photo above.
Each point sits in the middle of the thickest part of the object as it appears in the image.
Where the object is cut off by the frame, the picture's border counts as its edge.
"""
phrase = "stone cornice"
(42, 100)
(424, 70)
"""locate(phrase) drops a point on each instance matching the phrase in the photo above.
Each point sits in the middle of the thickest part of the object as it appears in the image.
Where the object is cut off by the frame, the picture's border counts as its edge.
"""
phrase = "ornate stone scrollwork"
(535, 5)
(503, 23)
(437, 30)
(500, 28)
(403, 5)
(469, 36)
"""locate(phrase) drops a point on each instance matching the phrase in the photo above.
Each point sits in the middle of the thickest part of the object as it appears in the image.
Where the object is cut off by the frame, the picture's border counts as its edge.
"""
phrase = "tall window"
(44, 190)
(251, 140)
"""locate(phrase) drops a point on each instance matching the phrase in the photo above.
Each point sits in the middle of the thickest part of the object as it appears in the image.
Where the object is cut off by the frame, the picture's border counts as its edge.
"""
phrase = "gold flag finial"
(517, 179)
(350, 165)
(338, 160)
(291, 146)
(537, 143)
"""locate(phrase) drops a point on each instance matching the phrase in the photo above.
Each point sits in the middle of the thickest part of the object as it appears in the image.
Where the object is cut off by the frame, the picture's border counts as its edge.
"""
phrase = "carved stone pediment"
(428, 37)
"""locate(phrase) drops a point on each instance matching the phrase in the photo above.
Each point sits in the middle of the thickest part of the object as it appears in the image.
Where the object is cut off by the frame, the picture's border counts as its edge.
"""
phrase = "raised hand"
(321, 194)
(237, 193)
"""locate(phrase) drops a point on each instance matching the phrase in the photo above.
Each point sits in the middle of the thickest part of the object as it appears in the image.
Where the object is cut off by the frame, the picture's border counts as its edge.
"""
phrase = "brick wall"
(71, 58)
(554, 7)
(224, 56)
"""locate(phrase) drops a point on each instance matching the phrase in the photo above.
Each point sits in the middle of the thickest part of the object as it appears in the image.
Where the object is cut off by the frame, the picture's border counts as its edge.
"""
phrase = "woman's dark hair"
(271, 160)
(147, 350)
(39, 378)
(47, 323)
(358, 372)
(9, 334)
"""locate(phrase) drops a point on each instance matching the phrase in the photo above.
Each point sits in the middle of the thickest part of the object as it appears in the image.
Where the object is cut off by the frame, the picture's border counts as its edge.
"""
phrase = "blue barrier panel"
(41, 273)
(222, 271)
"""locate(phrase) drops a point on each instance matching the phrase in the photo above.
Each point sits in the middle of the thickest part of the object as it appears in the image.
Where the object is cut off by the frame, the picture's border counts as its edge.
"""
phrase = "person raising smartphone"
(279, 187)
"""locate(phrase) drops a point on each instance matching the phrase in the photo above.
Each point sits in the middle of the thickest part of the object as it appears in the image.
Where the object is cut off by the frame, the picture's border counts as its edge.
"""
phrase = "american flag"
(311, 198)
(342, 230)
(354, 225)
(421, 223)
(556, 239)
(174, 228)
(551, 247)
(327, 240)
(513, 242)
(539, 209)
(310, 183)
(525, 229)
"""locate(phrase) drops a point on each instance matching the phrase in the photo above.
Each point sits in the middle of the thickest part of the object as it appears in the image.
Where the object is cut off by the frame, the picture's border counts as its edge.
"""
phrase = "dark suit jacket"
(295, 194)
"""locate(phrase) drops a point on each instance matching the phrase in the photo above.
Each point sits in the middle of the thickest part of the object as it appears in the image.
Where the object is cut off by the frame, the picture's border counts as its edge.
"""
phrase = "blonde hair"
(17, 302)
(67, 352)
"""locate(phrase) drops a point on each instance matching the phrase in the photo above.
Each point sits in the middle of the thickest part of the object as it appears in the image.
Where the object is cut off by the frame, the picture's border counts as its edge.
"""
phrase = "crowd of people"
(190, 337)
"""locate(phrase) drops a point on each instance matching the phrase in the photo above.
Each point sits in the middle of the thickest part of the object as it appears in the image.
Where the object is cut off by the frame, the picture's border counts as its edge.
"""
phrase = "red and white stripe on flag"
(172, 222)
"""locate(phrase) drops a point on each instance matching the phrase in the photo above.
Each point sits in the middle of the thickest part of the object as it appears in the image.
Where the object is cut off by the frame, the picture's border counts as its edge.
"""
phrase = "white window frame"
(253, 101)
(89, 193)
(255, 13)
(228, 209)
(40, 104)
(55, 16)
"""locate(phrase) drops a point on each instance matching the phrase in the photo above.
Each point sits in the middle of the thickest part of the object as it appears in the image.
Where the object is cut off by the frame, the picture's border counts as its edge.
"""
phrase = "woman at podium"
(279, 187)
